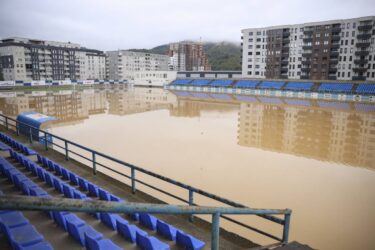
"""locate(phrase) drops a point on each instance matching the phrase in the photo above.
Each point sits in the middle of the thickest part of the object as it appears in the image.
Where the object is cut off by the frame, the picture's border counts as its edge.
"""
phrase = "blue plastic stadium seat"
(26, 185)
(148, 220)
(82, 183)
(110, 219)
(18, 179)
(65, 173)
(11, 220)
(200, 82)
(68, 191)
(57, 184)
(271, 85)
(57, 169)
(366, 89)
(73, 178)
(150, 243)
(39, 246)
(181, 81)
(104, 195)
(39, 158)
(48, 178)
(40, 172)
(166, 230)
(99, 244)
(79, 195)
(93, 189)
(299, 86)
(37, 191)
(60, 218)
(135, 216)
(128, 231)
(78, 232)
(115, 198)
(188, 242)
(221, 83)
(335, 87)
(24, 236)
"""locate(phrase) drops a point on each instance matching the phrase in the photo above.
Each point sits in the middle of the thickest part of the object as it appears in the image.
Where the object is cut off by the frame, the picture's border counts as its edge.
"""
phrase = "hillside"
(221, 55)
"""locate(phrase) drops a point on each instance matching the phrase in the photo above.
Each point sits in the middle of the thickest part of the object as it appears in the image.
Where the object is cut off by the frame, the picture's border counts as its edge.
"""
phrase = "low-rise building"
(123, 64)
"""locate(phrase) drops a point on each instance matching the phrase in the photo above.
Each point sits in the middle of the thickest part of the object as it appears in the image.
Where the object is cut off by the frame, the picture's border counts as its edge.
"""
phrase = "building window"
(250, 33)
(259, 33)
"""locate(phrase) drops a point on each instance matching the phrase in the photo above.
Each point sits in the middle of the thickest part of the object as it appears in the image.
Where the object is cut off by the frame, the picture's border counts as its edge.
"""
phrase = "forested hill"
(221, 55)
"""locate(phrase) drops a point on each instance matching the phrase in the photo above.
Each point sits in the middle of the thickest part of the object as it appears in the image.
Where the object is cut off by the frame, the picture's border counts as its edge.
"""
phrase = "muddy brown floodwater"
(315, 157)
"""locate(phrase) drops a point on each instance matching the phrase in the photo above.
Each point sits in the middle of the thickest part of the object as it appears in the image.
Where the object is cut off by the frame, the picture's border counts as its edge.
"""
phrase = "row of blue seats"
(16, 145)
(170, 232)
(17, 229)
(114, 221)
(71, 223)
(295, 86)
(366, 88)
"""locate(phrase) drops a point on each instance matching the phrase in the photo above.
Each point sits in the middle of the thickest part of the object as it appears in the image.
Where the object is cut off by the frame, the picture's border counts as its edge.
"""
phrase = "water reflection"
(323, 130)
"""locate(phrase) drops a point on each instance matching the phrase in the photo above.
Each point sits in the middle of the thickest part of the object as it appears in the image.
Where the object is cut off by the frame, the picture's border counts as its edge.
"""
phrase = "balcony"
(305, 69)
(284, 76)
(286, 33)
(305, 77)
(307, 47)
(359, 78)
(306, 53)
(284, 62)
(334, 60)
(360, 61)
(306, 62)
(363, 44)
(360, 69)
(336, 29)
(364, 36)
(308, 31)
(334, 53)
(362, 53)
(335, 45)
(286, 40)
(285, 49)
(284, 69)
(307, 39)
(365, 27)
(335, 38)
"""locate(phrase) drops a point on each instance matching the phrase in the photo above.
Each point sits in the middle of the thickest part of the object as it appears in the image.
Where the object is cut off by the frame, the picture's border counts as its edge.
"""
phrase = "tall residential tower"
(329, 50)
(31, 59)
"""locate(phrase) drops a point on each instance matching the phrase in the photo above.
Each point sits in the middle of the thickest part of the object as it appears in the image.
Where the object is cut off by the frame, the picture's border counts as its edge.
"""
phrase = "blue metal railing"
(18, 202)
(10, 122)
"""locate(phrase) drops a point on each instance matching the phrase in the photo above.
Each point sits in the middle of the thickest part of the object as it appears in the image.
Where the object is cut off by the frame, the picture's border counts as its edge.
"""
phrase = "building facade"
(329, 50)
(30, 59)
(123, 64)
(188, 56)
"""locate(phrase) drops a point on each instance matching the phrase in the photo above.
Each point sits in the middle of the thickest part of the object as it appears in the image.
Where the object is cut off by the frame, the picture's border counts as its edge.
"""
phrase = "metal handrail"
(191, 190)
(31, 203)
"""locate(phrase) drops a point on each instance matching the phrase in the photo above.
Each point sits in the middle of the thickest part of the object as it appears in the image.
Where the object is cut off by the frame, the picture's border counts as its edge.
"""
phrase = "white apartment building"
(329, 50)
(123, 64)
(30, 59)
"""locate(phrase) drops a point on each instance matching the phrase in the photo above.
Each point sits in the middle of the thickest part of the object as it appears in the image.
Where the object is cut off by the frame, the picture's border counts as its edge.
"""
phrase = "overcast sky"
(124, 24)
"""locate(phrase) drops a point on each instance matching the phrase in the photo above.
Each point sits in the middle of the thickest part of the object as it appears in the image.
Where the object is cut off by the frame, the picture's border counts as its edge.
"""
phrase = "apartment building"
(31, 59)
(329, 50)
(123, 64)
(188, 56)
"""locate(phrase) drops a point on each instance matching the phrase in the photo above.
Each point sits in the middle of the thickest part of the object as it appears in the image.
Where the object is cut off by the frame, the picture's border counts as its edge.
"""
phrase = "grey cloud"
(114, 24)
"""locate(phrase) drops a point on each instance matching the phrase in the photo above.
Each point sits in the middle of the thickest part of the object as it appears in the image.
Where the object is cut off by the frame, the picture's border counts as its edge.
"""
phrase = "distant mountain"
(221, 55)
